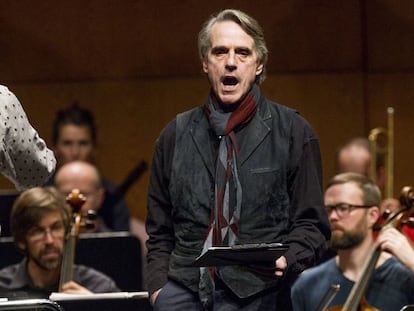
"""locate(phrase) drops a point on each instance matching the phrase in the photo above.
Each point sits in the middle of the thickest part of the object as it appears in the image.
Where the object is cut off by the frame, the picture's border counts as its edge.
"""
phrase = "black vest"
(263, 173)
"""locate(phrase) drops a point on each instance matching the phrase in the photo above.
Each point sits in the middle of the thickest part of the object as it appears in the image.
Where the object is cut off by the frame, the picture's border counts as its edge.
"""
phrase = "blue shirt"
(391, 288)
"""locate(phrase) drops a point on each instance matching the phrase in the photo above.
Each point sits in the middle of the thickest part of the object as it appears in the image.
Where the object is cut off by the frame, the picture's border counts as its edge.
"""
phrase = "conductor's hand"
(74, 288)
(280, 266)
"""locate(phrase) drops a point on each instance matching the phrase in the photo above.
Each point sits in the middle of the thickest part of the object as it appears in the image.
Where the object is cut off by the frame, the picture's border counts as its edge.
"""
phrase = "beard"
(48, 264)
(341, 240)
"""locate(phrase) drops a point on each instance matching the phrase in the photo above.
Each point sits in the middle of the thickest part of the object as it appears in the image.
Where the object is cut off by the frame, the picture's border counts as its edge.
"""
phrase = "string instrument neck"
(75, 199)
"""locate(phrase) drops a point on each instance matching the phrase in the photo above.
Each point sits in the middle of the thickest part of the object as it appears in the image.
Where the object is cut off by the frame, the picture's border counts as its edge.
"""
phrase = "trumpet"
(383, 153)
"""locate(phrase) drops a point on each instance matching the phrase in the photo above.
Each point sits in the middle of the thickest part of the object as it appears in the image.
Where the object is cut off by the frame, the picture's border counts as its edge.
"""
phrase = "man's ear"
(100, 197)
(259, 69)
(22, 246)
(205, 66)
(373, 215)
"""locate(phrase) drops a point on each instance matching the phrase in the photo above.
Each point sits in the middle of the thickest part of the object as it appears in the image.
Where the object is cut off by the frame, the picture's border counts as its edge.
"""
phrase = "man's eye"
(244, 52)
(57, 227)
(36, 232)
(343, 208)
(219, 51)
(84, 143)
(67, 143)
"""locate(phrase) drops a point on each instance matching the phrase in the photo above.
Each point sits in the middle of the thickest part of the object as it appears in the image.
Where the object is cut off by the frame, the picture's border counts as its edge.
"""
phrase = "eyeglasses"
(37, 234)
(343, 209)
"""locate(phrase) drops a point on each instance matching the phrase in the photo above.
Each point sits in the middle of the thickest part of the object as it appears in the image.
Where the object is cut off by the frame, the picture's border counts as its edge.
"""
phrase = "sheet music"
(121, 295)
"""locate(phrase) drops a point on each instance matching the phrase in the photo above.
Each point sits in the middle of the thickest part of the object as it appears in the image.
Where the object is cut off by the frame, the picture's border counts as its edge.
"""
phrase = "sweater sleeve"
(24, 156)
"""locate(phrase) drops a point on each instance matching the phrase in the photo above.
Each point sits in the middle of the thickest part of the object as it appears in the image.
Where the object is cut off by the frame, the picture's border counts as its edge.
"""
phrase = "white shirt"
(24, 156)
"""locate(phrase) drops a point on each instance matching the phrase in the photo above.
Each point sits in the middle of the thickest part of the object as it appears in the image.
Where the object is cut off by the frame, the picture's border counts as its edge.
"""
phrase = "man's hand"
(280, 266)
(74, 288)
(154, 296)
(396, 243)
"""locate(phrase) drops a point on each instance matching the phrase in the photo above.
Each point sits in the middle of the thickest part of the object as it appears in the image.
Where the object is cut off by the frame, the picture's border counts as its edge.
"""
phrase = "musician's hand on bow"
(396, 243)
(72, 287)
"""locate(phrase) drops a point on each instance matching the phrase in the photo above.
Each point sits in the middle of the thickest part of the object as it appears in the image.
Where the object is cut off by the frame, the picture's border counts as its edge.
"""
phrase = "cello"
(356, 300)
(75, 199)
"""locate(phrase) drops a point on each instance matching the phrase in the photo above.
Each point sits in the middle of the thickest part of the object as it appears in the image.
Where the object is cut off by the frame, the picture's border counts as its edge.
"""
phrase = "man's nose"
(48, 236)
(333, 215)
(231, 61)
(75, 151)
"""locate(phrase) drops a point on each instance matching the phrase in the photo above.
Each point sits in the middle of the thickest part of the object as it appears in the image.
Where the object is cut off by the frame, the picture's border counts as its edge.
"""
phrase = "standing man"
(239, 169)
(24, 156)
(352, 202)
(39, 222)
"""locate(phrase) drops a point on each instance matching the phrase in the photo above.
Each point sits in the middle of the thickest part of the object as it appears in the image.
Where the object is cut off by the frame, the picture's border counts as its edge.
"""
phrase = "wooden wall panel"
(119, 39)
(390, 35)
(134, 63)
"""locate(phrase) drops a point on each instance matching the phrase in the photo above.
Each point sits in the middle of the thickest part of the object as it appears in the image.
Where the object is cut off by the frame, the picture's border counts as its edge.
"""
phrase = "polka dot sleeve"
(24, 156)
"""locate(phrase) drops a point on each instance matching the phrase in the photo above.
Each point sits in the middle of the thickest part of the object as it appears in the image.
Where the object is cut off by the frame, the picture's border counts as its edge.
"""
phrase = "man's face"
(355, 159)
(348, 231)
(44, 242)
(82, 177)
(74, 143)
(231, 63)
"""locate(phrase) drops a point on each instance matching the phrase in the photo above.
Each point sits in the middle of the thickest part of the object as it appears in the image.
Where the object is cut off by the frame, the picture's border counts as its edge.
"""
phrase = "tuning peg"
(410, 222)
(89, 225)
(91, 215)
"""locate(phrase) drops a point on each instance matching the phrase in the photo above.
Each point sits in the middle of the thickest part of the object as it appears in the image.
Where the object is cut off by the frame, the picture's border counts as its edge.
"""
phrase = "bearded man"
(40, 219)
(352, 203)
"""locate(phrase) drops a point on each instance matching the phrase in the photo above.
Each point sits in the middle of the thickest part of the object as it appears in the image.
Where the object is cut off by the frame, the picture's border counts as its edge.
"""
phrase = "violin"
(75, 199)
(356, 300)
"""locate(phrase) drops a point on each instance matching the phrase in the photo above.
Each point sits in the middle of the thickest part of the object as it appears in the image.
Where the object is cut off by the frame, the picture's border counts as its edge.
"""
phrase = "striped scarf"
(226, 206)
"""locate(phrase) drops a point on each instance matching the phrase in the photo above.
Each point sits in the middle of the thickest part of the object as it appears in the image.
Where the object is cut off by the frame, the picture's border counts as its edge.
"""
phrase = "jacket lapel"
(200, 133)
(256, 132)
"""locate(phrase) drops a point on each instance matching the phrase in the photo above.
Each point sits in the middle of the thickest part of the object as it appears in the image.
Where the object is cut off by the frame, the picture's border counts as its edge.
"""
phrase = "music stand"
(104, 302)
(30, 304)
(117, 254)
(7, 198)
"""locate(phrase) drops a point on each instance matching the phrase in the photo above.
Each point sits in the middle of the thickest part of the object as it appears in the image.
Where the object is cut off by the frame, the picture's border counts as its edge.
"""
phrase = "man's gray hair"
(247, 23)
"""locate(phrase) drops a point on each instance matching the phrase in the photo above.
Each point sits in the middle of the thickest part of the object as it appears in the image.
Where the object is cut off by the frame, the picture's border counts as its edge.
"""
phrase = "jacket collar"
(256, 131)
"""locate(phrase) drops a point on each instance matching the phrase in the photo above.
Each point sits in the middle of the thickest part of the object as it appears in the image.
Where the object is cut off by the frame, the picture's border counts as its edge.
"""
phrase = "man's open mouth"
(230, 81)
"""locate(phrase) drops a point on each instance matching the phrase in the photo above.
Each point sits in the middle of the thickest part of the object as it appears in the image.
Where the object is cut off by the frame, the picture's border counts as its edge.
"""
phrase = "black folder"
(123, 301)
(242, 254)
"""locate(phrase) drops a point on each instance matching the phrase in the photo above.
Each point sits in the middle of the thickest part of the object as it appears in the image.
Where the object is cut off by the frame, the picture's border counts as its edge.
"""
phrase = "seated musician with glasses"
(352, 203)
(40, 219)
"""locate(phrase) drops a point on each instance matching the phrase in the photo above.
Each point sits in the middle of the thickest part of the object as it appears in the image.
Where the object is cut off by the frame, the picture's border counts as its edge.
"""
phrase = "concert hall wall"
(134, 63)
